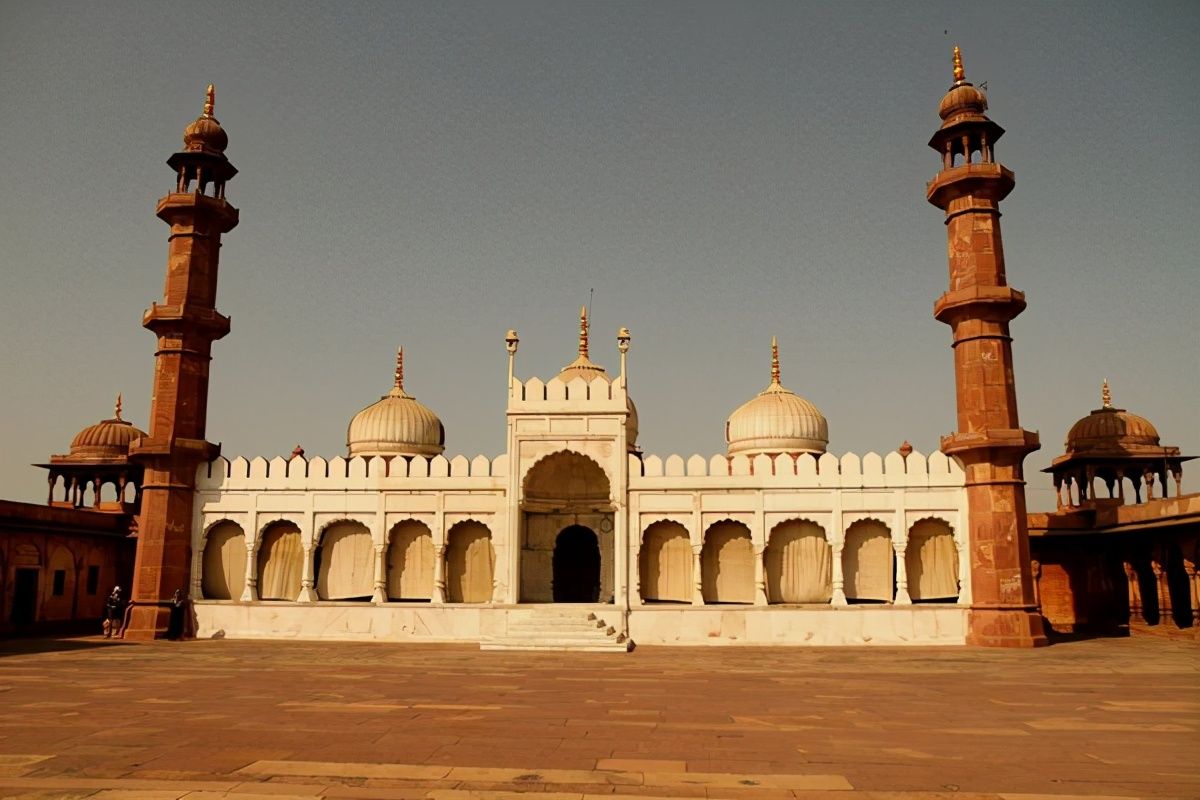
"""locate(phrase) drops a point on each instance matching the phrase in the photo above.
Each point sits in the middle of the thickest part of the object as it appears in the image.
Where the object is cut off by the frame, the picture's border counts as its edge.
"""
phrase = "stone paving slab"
(241, 719)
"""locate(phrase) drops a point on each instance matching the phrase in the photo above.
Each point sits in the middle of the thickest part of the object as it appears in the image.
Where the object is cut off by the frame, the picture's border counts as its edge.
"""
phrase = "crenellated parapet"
(355, 473)
(600, 395)
(803, 471)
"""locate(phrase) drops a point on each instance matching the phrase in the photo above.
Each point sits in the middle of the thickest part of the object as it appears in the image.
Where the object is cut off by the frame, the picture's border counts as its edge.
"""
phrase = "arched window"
(224, 575)
(470, 563)
(727, 564)
(798, 563)
(868, 562)
(410, 562)
(346, 563)
(280, 562)
(665, 564)
(932, 562)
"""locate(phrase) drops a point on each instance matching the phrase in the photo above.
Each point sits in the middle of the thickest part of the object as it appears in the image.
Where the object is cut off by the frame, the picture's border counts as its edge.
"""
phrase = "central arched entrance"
(576, 566)
(567, 535)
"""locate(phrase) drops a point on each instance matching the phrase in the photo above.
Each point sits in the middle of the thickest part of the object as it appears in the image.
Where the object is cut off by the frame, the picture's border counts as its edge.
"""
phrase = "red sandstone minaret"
(186, 324)
(989, 442)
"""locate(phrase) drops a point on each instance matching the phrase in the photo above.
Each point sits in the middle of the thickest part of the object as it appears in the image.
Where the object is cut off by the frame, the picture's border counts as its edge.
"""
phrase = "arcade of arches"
(798, 566)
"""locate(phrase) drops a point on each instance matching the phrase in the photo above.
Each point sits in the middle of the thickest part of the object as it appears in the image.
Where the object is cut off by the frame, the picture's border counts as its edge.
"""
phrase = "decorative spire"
(210, 96)
(774, 361)
(400, 369)
(583, 332)
(1105, 395)
(117, 409)
(959, 75)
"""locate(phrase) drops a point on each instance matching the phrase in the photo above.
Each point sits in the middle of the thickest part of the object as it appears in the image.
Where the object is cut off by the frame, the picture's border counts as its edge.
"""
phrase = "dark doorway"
(576, 566)
(25, 590)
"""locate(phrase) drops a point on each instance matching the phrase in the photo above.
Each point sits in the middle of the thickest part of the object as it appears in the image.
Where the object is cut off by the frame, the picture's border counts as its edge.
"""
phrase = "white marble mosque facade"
(744, 548)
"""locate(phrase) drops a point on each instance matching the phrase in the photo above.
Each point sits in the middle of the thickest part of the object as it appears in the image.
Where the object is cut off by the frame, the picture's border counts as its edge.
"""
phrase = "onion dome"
(107, 440)
(584, 367)
(963, 101)
(776, 421)
(397, 425)
(206, 134)
(1109, 430)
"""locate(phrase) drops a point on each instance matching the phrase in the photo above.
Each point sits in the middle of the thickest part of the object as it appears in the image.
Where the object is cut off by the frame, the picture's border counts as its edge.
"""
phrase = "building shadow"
(34, 644)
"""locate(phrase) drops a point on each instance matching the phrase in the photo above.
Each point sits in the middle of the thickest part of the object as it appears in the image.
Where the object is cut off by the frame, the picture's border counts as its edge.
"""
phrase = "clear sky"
(432, 174)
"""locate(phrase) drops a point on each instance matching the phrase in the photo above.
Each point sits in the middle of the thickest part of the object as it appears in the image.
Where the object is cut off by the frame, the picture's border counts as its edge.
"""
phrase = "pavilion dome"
(776, 421)
(107, 440)
(206, 134)
(396, 425)
(964, 99)
(1111, 430)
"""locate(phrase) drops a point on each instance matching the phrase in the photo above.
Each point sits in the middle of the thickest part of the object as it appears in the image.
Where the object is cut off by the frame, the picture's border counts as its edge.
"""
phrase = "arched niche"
(576, 566)
(561, 490)
(470, 563)
(798, 563)
(224, 565)
(410, 562)
(280, 562)
(869, 563)
(727, 564)
(345, 562)
(566, 480)
(931, 561)
(665, 564)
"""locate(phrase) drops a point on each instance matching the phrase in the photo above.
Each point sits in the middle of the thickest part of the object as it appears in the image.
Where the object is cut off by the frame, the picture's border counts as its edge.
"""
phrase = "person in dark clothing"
(175, 623)
(114, 610)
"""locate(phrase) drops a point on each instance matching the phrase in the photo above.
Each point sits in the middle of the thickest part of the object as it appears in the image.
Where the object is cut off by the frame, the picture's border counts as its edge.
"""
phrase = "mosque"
(573, 538)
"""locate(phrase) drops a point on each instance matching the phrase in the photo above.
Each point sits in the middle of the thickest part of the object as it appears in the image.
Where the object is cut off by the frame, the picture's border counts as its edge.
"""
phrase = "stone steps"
(551, 628)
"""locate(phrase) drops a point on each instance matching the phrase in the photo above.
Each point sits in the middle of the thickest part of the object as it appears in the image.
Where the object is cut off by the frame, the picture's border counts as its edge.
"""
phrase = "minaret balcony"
(987, 179)
(994, 303)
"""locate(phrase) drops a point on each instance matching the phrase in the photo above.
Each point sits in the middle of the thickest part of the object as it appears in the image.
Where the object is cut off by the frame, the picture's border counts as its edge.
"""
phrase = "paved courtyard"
(87, 718)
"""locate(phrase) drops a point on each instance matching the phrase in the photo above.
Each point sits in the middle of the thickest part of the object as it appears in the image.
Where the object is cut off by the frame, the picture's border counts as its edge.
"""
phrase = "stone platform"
(246, 719)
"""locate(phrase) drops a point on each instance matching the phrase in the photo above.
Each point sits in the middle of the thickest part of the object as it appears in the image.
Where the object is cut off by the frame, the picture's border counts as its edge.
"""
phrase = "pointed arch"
(224, 565)
(470, 563)
(931, 560)
(798, 563)
(727, 563)
(869, 562)
(280, 561)
(410, 561)
(665, 563)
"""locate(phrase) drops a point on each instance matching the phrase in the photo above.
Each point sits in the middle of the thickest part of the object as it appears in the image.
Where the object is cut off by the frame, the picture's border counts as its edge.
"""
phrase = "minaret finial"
(583, 332)
(1106, 395)
(959, 75)
(400, 368)
(210, 97)
(117, 409)
(774, 360)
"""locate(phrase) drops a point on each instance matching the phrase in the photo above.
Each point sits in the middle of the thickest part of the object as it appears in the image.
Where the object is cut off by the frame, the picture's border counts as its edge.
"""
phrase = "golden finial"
(774, 360)
(210, 97)
(959, 75)
(583, 332)
(1106, 395)
(117, 410)
(400, 368)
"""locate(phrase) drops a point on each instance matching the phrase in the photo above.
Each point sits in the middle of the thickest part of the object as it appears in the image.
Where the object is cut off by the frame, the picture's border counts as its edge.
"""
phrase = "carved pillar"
(1193, 577)
(250, 591)
(1136, 612)
(760, 577)
(1148, 476)
(307, 593)
(839, 579)
(1121, 485)
(1158, 563)
(380, 593)
(51, 479)
(902, 598)
(439, 573)
(1035, 569)
(697, 577)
